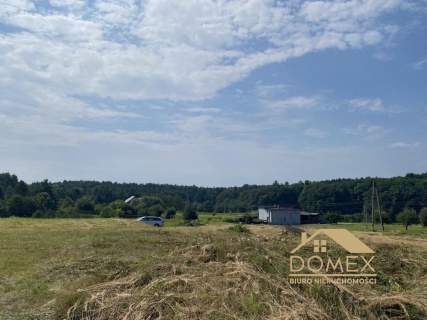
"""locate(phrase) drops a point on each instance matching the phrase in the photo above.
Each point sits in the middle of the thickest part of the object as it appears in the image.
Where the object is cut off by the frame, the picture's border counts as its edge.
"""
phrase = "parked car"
(154, 221)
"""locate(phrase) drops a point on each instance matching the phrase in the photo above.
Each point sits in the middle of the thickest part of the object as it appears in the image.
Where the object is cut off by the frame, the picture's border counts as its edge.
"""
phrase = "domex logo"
(342, 237)
(355, 267)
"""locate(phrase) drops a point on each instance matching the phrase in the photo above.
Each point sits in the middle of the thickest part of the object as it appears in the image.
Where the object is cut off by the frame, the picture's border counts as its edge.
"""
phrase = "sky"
(212, 92)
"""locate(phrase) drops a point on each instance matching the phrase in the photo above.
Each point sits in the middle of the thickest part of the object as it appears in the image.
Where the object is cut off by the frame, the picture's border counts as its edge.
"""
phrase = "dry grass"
(246, 279)
(200, 288)
(118, 269)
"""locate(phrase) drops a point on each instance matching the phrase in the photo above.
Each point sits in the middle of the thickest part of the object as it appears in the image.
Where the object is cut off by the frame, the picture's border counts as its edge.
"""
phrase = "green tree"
(331, 217)
(44, 201)
(3, 209)
(21, 188)
(189, 213)
(170, 213)
(109, 212)
(407, 217)
(85, 205)
(156, 210)
(423, 217)
(103, 194)
(66, 202)
(127, 211)
(20, 206)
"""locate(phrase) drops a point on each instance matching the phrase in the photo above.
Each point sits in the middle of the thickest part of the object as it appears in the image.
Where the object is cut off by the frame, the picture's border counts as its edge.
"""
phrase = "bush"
(239, 228)
(3, 211)
(189, 213)
(44, 214)
(156, 210)
(127, 211)
(249, 219)
(170, 213)
(67, 212)
(109, 212)
(331, 217)
(423, 217)
(232, 220)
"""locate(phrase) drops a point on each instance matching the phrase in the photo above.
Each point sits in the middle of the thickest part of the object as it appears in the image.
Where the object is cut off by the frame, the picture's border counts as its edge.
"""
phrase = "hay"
(206, 290)
(203, 282)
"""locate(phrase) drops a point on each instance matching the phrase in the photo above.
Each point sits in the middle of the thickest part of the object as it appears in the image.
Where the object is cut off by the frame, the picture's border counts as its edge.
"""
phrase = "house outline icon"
(342, 237)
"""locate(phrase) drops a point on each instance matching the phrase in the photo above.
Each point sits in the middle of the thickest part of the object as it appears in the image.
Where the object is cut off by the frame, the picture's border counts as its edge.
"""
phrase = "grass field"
(389, 229)
(112, 269)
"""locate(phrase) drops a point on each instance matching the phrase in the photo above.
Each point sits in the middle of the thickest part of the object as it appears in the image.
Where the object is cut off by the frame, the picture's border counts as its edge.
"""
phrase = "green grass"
(204, 218)
(396, 229)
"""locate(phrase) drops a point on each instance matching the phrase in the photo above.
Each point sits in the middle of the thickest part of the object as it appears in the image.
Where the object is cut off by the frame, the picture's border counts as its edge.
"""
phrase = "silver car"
(154, 221)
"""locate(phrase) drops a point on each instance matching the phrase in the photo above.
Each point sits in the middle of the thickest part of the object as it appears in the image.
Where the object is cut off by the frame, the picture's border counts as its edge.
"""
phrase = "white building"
(285, 215)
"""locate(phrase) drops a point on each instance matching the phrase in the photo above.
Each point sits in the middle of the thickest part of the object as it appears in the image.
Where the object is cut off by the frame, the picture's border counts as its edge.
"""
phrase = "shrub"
(67, 212)
(239, 228)
(109, 212)
(156, 210)
(127, 211)
(44, 214)
(232, 220)
(423, 217)
(3, 211)
(189, 213)
(249, 219)
(331, 217)
(170, 213)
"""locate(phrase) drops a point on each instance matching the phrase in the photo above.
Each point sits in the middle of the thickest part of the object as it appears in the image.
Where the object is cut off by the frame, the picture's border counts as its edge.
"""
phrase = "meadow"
(121, 269)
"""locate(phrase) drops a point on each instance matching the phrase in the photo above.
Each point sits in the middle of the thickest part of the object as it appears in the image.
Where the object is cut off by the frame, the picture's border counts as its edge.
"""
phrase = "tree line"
(346, 198)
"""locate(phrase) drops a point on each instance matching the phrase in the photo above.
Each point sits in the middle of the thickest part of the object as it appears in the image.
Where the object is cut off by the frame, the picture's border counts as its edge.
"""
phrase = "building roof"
(129, 199)
(305, 213)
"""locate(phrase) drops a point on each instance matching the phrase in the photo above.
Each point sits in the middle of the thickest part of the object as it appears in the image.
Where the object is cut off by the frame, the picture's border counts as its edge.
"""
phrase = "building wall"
(285, 216)
(263, 214)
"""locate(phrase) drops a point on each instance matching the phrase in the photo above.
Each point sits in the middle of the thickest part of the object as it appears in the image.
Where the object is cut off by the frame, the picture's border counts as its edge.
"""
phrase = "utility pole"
(372, 206)
(365, 216)
(379, 210)
(374, 195)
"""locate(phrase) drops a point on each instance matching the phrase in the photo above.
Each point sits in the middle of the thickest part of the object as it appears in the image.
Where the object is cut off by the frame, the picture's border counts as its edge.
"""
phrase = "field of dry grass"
(119, 269)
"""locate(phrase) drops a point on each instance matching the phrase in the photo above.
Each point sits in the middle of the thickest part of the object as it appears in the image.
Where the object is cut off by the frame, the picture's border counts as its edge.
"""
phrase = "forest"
(347, 198)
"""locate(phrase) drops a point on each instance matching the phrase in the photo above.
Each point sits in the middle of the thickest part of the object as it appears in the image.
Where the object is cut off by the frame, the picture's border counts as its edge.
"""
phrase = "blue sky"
(209, 92)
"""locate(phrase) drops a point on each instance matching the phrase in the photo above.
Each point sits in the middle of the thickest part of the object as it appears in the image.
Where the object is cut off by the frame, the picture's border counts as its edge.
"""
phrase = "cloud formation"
(171, 49)
(70, 68)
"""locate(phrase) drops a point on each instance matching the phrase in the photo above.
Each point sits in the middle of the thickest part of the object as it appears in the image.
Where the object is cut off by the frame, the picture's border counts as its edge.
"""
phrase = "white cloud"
(202, 110)
(270, 90)
(74, 4)
(404, 145)
(370, 132)
(170, 49)
(420, 64)
(56, 64)
(365, 104)
(297, 102)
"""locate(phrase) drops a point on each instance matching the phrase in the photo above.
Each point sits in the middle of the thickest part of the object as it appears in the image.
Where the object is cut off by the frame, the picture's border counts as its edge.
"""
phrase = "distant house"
(286, 215)
(130, 199)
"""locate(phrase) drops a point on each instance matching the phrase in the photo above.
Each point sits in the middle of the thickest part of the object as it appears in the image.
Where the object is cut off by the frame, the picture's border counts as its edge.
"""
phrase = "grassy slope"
(44, 262)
